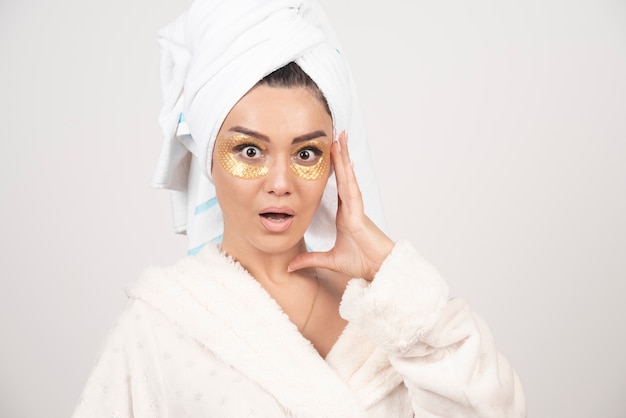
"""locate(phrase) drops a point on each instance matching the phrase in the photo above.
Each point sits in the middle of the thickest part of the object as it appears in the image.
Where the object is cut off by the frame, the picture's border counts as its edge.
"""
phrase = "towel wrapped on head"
(212, 55)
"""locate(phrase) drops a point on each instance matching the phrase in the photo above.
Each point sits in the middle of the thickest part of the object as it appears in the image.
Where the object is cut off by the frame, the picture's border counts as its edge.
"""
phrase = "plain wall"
(498, 129)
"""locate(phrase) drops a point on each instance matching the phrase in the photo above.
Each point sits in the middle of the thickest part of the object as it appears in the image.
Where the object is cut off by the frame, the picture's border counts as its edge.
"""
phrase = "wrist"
(385, 247)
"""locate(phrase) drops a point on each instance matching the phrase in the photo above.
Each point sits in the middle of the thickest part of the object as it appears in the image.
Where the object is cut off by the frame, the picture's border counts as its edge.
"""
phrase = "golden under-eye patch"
(316, 170)
(229, 153)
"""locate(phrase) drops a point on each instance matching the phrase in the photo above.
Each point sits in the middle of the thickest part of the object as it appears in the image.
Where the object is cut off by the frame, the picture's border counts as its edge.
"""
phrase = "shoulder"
(135, 323)
(209, 263)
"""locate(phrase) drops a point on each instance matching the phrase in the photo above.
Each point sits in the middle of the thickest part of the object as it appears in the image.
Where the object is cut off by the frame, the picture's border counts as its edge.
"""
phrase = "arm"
(444, 352)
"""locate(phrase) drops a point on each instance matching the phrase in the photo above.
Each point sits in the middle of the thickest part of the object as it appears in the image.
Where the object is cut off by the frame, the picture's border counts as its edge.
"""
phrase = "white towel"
(211, 56)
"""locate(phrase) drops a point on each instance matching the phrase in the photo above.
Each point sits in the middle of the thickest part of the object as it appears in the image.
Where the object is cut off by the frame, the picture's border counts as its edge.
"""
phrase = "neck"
(264, 266)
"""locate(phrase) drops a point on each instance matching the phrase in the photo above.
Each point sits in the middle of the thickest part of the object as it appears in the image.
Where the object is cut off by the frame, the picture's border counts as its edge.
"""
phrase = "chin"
(279, 244)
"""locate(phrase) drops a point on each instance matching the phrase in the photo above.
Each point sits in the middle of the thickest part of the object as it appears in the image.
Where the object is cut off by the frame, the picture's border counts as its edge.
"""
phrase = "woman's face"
(271, 163)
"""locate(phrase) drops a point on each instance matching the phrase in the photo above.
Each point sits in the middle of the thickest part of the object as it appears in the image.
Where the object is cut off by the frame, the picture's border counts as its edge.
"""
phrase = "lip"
(277, 225)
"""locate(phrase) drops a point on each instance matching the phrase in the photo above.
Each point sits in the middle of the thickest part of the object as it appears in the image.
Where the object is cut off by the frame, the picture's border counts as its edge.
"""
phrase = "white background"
(498, 130)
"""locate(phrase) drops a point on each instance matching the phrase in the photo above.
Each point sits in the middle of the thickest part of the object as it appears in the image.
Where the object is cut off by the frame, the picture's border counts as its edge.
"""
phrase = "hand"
(360, 247)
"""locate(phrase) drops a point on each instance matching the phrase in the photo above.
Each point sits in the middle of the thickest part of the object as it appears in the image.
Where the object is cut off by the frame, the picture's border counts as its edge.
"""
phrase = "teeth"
(276, 217)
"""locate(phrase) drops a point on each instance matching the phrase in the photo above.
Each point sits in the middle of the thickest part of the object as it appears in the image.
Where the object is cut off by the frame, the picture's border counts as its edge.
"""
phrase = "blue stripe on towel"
(205, 206)
(181, 118)
(196, 250)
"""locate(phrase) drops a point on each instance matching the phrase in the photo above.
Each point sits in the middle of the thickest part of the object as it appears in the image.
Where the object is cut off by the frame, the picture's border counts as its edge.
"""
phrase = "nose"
(279, 179)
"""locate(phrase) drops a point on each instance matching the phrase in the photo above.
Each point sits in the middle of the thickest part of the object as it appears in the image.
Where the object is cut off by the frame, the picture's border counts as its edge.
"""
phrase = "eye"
(249, 151)
(305, 155)
(308, 155)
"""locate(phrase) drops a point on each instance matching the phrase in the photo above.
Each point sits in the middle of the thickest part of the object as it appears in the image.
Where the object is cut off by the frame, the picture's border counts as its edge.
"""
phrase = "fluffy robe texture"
(203, 338)
(211, 56)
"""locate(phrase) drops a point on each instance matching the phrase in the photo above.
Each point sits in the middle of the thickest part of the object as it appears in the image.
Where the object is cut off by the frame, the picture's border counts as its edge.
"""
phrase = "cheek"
(315, 191)
(223, 183)
(233, 193)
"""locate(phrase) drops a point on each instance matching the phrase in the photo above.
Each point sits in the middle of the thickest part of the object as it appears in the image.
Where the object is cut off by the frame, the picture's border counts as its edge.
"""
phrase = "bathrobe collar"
(216, 301)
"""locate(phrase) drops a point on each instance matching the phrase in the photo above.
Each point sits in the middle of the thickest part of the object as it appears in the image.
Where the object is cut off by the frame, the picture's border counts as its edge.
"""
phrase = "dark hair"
(291, 75)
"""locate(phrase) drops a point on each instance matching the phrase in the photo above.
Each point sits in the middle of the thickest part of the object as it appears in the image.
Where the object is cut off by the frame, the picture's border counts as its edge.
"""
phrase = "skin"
(280, 118)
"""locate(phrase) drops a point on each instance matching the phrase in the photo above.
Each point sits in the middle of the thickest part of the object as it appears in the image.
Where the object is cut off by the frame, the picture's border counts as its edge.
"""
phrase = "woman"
(264, 317)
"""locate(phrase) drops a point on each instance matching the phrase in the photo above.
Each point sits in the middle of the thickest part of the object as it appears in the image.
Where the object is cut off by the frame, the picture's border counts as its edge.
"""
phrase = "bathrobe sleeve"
(444, 352)
(125, 381)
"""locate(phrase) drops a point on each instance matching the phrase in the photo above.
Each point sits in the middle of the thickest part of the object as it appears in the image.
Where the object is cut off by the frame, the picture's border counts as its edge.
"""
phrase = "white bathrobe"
(204, 339)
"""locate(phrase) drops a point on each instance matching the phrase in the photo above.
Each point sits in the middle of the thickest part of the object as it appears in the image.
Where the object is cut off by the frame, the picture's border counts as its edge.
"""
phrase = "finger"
(312, 260)
(345, 152)
(338, 164)
(335, 153)
(350, 192)
(341, 158)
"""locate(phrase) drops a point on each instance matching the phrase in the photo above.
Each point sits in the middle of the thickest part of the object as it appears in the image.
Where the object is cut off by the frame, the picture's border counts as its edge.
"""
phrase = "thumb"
(313, 259)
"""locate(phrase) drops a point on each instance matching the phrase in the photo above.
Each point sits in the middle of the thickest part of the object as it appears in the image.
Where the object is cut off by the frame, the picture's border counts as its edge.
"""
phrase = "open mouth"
(276, 216)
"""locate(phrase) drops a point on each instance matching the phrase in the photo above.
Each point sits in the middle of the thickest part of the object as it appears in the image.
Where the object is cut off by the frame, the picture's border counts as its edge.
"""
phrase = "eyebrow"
(265, 138)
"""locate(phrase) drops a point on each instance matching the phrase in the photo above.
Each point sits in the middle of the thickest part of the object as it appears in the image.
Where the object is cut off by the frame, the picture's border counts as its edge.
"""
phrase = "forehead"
(279, 111)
